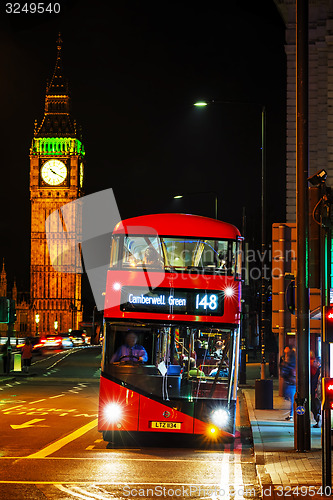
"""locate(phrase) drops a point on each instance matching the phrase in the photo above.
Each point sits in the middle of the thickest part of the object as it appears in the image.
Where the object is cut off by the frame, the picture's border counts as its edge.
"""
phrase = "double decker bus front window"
(186, 254)
(141, 252)
(181, 362)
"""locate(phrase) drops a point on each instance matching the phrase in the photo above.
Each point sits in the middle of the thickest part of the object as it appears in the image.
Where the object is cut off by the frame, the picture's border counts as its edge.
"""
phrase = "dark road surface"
(51, 449)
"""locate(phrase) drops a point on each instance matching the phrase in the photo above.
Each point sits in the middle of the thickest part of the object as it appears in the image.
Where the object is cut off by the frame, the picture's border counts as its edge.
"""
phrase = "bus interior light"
(113, 412)
(220, 417)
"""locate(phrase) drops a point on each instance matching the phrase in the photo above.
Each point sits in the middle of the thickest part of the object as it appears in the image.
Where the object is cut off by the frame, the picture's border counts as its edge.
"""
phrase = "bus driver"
(130, 351)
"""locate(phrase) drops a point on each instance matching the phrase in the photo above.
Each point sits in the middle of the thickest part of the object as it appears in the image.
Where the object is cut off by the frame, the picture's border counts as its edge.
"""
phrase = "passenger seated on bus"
(202, 352)
(219, 348)
(130, 351)
(194, 371)
(152, 258)
(222, 373)
(222, 261)
(185, 363)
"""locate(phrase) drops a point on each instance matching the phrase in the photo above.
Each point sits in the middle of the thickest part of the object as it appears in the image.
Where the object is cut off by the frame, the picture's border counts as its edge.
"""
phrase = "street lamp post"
(264, 390)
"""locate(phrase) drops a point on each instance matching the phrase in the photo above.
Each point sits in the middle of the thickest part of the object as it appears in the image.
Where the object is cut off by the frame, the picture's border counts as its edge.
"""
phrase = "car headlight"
(113, 412)
(220, 418)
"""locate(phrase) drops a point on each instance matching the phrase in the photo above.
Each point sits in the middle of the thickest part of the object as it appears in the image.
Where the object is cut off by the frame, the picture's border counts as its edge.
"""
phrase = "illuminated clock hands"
(56, 173)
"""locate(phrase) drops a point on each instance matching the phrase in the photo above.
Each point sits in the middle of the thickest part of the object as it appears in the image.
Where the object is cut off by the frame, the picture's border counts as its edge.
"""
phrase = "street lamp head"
(318, 178)
(201, 104)
(178, 196)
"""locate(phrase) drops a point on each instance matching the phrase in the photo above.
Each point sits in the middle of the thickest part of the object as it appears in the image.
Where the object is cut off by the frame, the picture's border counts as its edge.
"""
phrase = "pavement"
(282, 472)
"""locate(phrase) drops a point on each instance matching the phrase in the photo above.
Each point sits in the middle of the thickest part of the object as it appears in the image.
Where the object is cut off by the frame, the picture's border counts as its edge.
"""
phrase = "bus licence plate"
(166, 425)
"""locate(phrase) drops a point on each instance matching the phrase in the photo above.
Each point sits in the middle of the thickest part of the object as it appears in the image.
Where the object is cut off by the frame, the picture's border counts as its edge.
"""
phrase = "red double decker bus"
(171, 334)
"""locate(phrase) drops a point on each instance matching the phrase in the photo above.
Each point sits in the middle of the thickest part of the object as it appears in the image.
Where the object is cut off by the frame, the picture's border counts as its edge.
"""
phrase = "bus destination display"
(176, 301)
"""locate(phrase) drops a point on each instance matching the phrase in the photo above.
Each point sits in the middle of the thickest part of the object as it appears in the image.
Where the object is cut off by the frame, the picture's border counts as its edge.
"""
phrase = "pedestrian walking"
(288, 373)
(6, 352)
(26, 355)
(315, 401)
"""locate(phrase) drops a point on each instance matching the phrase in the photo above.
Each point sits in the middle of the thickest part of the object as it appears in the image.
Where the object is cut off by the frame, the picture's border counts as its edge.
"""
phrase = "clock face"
(54, 172)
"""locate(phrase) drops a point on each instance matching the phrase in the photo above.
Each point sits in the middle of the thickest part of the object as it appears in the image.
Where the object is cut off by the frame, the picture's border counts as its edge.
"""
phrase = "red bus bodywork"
(141, 411)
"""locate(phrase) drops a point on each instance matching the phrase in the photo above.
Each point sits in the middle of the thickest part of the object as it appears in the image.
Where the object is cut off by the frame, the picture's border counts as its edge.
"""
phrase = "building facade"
(320, 120)
(320, 93)
(56, 178)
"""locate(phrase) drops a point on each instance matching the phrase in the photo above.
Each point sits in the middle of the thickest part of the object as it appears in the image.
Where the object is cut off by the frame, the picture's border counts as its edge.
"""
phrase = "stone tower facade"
(56, 178)
(3, 281)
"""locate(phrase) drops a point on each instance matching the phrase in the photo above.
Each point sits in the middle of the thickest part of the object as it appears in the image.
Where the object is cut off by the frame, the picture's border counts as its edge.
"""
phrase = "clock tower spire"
(56, 178)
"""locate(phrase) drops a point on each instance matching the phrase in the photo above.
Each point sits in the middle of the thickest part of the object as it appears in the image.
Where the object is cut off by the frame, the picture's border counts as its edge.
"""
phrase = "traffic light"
(290, 297)
(4, 310)
(327, 393)
(328, 325)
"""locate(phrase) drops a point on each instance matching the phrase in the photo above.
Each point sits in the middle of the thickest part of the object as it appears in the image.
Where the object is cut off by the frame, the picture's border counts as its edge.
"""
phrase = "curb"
(264, 477)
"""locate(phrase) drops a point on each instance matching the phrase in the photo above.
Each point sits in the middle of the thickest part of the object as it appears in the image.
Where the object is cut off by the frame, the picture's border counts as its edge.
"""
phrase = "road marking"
(29, 424)
(52, 448)
(106, 457)
(12, 408)
(92, 446)
(38, 401)
(86, 494)
(111, 483)
(58, 396)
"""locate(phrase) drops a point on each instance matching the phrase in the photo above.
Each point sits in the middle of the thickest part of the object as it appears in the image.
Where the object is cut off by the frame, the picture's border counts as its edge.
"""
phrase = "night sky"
(134, 70)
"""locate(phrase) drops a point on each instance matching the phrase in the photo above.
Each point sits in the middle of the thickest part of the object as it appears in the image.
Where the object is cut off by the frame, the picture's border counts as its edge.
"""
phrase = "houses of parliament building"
(56, 178)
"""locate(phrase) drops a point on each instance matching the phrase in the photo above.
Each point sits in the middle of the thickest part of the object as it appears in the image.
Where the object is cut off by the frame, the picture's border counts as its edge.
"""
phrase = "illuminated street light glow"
(200, 104)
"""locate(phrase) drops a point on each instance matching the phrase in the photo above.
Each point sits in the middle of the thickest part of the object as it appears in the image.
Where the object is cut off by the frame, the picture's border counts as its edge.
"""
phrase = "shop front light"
(113, 412)
(220, 418)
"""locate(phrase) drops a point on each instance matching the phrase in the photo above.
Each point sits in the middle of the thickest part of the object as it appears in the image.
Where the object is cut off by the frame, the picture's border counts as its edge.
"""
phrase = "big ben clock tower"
(56, 178)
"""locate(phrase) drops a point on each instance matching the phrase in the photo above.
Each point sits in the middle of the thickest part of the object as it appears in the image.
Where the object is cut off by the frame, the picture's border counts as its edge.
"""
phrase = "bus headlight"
(229, 291)
(113, 412)
(220, 418)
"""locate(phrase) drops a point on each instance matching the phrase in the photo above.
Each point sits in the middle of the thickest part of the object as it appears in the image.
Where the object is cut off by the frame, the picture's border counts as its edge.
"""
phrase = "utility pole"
(302, 435)
(325, 263)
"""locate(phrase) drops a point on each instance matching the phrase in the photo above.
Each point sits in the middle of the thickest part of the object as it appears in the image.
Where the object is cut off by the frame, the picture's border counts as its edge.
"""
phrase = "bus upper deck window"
(141, 252)
(114, 251)
(239, 258)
